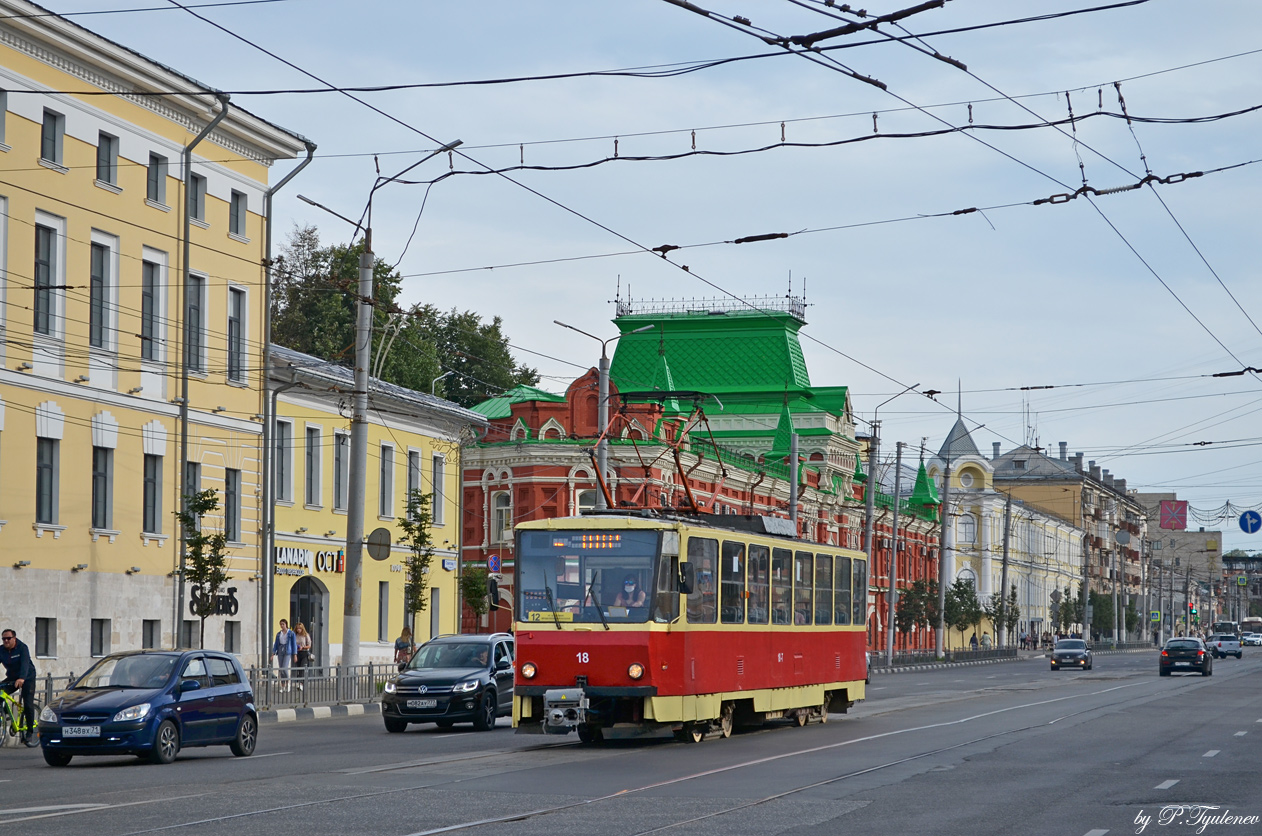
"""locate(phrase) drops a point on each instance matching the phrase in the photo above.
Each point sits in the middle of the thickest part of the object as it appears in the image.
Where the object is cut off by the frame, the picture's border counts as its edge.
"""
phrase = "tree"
(962, 607)
(473, 590)
(207, 559)
(1132, 617)
(1012, 613)
(1101, 614)
(918, 606)
(417, 522)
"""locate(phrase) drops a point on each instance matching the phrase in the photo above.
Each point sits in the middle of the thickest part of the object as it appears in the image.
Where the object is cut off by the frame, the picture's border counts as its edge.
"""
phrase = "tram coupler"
(564, 710)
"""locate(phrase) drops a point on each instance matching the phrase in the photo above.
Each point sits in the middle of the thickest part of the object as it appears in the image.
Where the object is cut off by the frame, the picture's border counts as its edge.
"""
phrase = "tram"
(638, 621)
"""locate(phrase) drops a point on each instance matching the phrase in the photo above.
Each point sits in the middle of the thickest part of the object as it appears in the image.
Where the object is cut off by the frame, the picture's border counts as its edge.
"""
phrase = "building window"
(385, 486)
(45, 268)
(193, 479)
(414, 474)
(156, 189)
(314, 466)
(383, 611)
(188, 633)
(283, 466)
(232, 637)
(341, 469)
(232, 504)
(150, 634)
(586, 501)
(107, 159)
(438, 478)
(149, 289)
(197, 198)
(51, 136)
(102, 487)
(193, 323)
(46, 637)
(4, 112)
(236, 214)
(152, 522)
(100, 643)
(47, 455)
(501, 517)
(968, 529)
(236, 334)
(98, 297)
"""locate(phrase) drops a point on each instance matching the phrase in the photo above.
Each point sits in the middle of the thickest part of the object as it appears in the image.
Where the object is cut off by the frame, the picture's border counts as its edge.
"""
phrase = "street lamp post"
(602, 405)
(433, 386)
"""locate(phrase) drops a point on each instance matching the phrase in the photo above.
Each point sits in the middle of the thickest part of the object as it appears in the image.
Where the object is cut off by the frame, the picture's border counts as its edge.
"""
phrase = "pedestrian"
(19, 675)
(404, 647)
(972, 642)
(284, 649)
(986, 641)
(302, 639)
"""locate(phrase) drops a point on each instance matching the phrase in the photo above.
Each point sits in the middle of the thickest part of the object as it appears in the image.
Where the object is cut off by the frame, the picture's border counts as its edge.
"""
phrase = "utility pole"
(939, 640)
(1116, 614)
(357, 489)
(869, 494)
(891, 597)
(793, 481)
(1003, 575)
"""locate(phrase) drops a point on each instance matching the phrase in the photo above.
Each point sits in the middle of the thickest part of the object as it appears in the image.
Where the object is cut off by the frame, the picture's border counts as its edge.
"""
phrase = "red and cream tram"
(647, 620)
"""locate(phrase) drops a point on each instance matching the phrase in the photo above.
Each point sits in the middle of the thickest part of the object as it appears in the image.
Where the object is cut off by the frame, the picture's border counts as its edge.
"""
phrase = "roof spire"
(959, 398)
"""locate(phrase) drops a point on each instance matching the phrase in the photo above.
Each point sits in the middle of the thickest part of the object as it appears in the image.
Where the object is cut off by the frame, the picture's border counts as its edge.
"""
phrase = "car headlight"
(48, 715)
(136, 712)
(471, 685)
(635, 671)
(391, 686)
(528, 670)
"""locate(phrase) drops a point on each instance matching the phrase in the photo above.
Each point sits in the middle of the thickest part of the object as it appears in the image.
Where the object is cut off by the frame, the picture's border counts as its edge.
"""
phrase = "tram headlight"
(635, 671)
(528, 670)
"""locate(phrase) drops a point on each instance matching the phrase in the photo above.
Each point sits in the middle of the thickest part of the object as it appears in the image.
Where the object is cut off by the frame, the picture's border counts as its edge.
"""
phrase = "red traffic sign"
(1174, 514)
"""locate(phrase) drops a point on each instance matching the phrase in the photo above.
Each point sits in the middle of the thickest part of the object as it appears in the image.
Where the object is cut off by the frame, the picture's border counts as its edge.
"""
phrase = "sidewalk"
(318, 712)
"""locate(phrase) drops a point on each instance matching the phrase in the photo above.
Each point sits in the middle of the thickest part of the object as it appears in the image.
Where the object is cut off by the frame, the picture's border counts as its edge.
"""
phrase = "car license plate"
(422, 703)
(80, 731)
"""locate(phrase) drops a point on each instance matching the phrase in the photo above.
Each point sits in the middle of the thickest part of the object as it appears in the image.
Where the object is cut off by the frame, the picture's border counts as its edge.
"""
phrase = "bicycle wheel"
(6, 722)
(32, 734)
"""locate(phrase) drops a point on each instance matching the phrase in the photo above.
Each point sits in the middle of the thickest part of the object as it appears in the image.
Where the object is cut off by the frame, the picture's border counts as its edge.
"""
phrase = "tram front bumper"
(564, 710)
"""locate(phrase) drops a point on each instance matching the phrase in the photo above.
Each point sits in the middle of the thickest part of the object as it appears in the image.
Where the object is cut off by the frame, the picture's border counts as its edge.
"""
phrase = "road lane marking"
(1165, 785)
(51, 808)
(92, 808)
(1241, 733)
(1096, 832)
(1211, 753)
(272, 755)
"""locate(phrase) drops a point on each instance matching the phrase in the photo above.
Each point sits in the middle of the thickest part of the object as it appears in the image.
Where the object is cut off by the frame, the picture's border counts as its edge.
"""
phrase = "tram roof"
(650, 518)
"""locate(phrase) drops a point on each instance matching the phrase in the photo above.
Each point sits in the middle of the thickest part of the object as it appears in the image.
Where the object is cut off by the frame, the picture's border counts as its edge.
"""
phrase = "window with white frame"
(197, 198)
(47, 477)
(586, 501)
(107, 158)
(968, 528)
(4, 113)
(195, 323)
(237, 214)
(236, 335)
(52, 135)
(341, 469)
(102, 488)
(193, 478)
(156, 185)
(501, 517)
(438, 477)
(46, 268)
(383, 611)
(151, 495)
(232, 504)
(314, 466)
(414, 473)
(385, 484)
(99, 296)
(150, 307)
(283, 467)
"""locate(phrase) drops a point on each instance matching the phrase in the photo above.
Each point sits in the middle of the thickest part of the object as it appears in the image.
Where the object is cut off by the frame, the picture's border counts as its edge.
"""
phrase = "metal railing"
(327, 685)
(903, 658)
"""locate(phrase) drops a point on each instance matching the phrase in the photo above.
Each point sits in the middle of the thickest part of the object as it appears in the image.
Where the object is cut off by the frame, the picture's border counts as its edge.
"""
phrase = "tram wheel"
(802, 716)
(590, 734)
(823, 712)
(693, 732)
(727, 717)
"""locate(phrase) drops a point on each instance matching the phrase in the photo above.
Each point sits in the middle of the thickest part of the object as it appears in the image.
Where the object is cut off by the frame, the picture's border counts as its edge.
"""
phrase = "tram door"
(307, 603)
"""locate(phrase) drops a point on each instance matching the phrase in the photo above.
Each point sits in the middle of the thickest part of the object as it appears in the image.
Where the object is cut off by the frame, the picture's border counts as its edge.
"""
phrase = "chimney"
(1120, 485)
(1107, 477)
(995, 446)
(1095, 471)
(1064, 450)
(1077, 460)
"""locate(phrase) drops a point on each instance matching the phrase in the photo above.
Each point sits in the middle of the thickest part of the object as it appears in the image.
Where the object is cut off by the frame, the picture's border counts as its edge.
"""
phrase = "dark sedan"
(151, 703)
(1071, 653)
(1186, 654)
(453, 679)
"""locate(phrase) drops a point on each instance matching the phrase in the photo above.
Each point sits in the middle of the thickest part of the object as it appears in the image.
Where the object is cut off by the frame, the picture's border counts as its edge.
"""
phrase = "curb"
(318, 712)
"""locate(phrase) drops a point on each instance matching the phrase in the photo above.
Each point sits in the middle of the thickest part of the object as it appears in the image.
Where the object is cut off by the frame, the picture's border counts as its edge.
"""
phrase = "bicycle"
(12, 723)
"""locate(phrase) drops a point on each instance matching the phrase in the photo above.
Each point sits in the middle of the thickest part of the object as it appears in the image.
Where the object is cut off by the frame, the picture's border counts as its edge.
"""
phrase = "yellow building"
(414, 443)
(92, 320)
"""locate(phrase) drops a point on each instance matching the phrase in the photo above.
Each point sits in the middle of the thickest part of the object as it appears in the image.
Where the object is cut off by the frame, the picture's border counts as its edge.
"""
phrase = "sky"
(1125, 303)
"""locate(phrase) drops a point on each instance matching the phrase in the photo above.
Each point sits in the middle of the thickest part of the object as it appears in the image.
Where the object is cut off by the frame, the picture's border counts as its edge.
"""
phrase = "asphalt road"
(1010, 748)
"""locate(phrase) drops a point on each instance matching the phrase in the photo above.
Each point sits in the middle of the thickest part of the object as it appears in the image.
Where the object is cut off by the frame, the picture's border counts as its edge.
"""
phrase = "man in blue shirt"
(284, 649)
(19, 675)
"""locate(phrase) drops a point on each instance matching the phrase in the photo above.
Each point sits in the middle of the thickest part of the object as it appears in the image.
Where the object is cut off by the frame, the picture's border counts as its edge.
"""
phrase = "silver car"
(1071, 653)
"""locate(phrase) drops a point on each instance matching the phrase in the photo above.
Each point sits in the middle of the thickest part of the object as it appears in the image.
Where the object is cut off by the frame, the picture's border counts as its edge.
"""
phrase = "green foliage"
(313, 311)
(1012, 612)
(417, 522)
(473, 590)
(1102, 613)
(207, 559)
(963, 610)
(917, 605)
(1132, 618)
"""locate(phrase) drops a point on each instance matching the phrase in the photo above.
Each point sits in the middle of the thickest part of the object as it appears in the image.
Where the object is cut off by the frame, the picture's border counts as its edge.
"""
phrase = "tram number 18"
(582, 658)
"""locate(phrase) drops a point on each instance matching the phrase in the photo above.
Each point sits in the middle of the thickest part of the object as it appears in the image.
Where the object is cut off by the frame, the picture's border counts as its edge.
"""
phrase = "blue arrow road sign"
(1250, 522)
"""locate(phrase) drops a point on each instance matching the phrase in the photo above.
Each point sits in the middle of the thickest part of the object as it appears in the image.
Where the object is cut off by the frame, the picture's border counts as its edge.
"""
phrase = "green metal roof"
(502, 407)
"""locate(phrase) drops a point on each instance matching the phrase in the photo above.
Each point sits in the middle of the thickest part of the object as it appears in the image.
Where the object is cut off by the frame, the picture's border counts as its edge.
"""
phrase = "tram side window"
(732, 583)
(781, 586)
(666, 609)
(802, 577)
(841, 614)
(859, 601)
(823, 589)
(759, 558)
(703, 554)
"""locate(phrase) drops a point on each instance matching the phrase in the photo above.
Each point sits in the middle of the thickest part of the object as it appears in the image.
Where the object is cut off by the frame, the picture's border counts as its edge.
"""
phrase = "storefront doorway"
(308, 603)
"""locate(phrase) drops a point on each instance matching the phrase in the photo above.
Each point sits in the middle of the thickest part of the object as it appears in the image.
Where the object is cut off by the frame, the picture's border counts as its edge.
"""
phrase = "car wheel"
(484, 720)
(166, 743)
(1240, 655)
(54, 758)
(1055, 668)
(247, 737)
(1206, 671)
(396, 726)
(1164, 672)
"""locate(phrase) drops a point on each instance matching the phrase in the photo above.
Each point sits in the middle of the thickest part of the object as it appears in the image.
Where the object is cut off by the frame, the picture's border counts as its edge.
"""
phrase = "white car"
(1251, 639)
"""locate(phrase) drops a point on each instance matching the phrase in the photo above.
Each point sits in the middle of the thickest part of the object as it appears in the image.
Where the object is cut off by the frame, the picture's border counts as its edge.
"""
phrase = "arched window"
(968, 528)
(586, 501)
(502, 517)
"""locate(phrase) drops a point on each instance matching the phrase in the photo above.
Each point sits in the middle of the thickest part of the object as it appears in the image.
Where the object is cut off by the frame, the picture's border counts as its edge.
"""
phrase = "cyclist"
(19, 675)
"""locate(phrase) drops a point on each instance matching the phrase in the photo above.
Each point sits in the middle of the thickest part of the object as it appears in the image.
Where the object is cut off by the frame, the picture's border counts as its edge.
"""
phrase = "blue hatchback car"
(152, 703)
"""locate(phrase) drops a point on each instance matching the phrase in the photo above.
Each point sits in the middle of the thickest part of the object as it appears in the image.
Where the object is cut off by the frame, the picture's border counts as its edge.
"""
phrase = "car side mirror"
(503, 665)
(687, 578)
(189, 685)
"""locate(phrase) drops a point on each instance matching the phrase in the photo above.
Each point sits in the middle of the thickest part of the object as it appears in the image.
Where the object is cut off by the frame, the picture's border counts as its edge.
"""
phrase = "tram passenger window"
(759, 558)
(802, 577)
(841, 585)
(703, 554)
(859, 600)
(781, 586)
(666, 590)
(823, 589)
(732, 583)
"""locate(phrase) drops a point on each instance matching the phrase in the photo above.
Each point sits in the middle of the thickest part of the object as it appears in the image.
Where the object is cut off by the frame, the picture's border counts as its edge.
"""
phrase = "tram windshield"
(587, 576)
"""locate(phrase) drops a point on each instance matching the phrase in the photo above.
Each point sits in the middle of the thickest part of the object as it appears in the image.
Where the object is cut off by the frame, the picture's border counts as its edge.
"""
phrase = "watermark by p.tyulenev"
(1197, 816)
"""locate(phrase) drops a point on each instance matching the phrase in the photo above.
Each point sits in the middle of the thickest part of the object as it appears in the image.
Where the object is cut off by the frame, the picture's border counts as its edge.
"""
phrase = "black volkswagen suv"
(453, 679)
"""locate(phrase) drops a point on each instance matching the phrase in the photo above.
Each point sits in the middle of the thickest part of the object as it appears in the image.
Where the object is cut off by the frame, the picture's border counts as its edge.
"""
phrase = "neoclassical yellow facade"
(92, 320)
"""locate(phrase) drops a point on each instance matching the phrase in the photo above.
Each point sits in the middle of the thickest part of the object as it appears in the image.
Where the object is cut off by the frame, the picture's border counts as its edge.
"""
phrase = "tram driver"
(631, 594)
